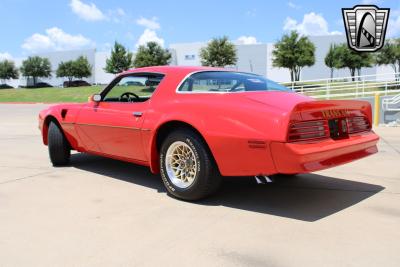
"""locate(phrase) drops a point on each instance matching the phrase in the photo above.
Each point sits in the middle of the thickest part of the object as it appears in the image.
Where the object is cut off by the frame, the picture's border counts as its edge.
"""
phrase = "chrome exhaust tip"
(263, 179)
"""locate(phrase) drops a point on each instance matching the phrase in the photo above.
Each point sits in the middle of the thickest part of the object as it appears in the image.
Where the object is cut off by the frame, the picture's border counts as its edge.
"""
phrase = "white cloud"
(149, 36)
(117, 15)
(90, 12)
(246, 40)
(5, 55)
(87, 12)
(312, 24)
(38, 42)
(151, 24)
(293, 5)
(55, 39)
(120, 12)
(290, 24)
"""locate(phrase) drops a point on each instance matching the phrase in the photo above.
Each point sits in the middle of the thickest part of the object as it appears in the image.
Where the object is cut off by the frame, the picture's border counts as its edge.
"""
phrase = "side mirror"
(95, 98)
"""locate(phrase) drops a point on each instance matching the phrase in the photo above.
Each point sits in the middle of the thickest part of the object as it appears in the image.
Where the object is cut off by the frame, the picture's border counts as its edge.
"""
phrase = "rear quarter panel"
(237, 129)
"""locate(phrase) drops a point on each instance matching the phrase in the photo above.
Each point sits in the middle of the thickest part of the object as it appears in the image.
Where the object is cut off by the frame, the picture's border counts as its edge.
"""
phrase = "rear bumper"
(302, 157)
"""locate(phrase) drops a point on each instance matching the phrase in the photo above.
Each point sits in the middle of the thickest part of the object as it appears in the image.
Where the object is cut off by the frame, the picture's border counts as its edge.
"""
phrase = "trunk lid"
(270, 98)
(331, 109)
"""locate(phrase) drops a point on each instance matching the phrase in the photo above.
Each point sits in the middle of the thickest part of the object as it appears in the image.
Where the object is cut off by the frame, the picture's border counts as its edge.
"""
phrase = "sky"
(30, 27)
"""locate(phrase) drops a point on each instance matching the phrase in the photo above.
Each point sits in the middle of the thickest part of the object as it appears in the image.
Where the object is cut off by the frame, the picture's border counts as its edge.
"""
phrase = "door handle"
(137, 114)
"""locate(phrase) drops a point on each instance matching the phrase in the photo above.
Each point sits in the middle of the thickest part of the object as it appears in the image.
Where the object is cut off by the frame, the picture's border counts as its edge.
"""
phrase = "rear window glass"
(226, 81)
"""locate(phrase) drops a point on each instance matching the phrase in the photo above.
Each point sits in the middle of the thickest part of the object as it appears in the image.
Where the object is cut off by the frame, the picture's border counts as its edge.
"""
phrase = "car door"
(113, 126)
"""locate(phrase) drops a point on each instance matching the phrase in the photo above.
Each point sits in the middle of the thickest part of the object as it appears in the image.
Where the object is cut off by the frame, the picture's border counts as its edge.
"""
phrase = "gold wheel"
(181, 164)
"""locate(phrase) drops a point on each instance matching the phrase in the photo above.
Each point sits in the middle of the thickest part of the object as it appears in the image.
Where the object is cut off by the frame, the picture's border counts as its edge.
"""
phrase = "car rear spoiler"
(328, 109)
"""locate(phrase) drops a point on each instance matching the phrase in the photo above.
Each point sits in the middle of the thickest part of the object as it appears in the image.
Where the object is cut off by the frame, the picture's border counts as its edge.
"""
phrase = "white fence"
(349, 87)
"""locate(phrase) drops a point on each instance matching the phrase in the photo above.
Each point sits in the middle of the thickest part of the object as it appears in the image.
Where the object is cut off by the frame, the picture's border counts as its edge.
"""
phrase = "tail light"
(335, 128)
(358, 124)
(308, 130)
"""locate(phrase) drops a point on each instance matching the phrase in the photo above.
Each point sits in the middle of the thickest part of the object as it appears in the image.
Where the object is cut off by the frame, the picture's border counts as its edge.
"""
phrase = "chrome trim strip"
(110, 126)
(190, 74)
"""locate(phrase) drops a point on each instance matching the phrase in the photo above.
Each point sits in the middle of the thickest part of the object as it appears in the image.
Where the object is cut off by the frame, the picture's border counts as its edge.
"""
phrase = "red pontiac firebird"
(194, 124)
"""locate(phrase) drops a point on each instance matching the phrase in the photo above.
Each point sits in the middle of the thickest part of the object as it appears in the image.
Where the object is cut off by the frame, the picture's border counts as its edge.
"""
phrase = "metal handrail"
(352, 94)
(343, 87)
(390, 74)
(391, 101)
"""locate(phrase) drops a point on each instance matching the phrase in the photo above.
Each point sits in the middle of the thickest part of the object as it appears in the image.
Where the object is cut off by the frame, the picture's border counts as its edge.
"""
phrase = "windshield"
(227, 81)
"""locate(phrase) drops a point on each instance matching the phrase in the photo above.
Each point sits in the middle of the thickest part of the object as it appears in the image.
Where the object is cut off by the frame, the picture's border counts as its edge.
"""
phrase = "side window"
(186, 86)
(212, 85)
(134, 88)
(207, 85)
(228, 82)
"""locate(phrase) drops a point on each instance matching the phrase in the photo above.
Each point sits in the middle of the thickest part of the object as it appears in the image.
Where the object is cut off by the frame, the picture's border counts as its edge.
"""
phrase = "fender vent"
(257, 144)
(64, 113)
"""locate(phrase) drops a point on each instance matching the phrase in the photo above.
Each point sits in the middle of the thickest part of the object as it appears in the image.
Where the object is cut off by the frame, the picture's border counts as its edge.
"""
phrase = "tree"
(121, 59)
(78, 68)
(365, 60)
(353, 60)
(36, 67)
(293, 52)
(66, 69)
(331, 59)
(219, 52)
(390, 55)
(151, 54)
(82, 68)
(8, 71)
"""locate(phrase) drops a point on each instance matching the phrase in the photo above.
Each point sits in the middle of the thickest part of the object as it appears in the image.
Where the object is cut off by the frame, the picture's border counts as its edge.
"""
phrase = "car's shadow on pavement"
(306, 197)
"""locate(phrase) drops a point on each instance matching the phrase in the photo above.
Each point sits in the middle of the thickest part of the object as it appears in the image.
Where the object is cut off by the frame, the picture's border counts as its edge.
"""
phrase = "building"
(256, 58)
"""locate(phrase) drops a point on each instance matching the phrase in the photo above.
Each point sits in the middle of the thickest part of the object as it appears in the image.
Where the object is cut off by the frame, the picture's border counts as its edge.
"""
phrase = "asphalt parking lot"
(101, 212)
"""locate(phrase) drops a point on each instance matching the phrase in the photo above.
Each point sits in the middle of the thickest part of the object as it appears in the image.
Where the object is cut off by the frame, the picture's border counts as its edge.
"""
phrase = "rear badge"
(334, 113)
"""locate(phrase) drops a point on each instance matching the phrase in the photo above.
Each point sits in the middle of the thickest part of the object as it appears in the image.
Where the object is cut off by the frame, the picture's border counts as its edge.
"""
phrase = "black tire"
(207, 179)
(59, 148)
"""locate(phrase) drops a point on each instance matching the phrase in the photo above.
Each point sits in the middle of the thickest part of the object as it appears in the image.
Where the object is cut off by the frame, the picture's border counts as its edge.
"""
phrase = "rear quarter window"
(227, 81)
